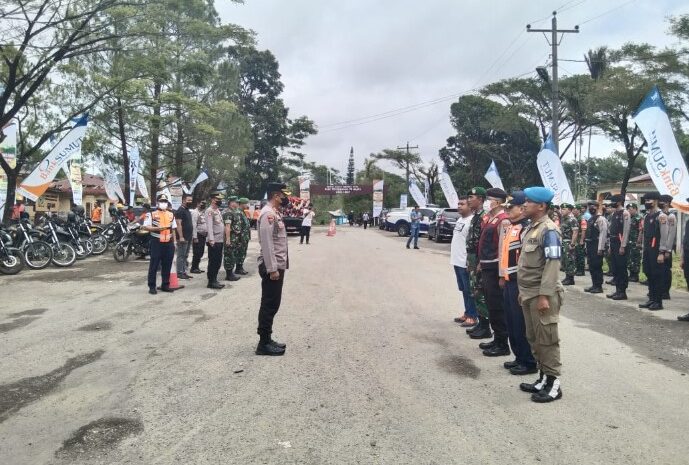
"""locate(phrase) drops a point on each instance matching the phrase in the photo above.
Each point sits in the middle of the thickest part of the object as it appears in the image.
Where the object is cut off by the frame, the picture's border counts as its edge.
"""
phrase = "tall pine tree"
(350, 167)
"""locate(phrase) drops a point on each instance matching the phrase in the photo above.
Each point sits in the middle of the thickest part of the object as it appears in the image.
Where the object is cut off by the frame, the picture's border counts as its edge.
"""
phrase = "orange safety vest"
(162, 219)
(511, 248)
(96, 214)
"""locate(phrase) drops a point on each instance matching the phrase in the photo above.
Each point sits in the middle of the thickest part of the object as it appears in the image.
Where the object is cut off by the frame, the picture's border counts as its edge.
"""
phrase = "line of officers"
(628, 241)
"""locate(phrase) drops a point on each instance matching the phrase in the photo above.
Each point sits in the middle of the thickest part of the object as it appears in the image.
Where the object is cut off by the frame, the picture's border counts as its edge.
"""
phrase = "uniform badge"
(271, 219)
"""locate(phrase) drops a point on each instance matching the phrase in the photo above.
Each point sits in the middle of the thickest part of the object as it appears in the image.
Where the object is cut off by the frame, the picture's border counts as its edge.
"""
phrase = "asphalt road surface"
(93, 370)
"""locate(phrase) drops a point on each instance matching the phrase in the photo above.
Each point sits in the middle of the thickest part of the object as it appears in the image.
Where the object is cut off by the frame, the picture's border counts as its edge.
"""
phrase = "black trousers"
(198, 250)
(619, 266)
(162, 254)
(365, 224)
(516, 327)
(667, 275)
(305, 233)
(494, 302)
(685, 254)
(271, 297)
(595, 264)
(654, 275)
(214, 261)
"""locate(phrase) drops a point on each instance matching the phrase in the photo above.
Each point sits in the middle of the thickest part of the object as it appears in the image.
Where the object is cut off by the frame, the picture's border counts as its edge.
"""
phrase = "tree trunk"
(155, 140)
(11, 189)
(123, 143)
(179, 144)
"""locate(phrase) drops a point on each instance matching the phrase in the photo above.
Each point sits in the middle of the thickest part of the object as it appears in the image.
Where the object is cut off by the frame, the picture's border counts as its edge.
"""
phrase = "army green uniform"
(634, 264)
(567, 227)
(231, 217)
(245, 237)
(472, 261)
(580, 249)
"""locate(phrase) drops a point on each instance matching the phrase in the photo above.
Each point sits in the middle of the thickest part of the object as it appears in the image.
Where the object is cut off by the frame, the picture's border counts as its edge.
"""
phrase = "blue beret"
(516, 198)
(539, 194)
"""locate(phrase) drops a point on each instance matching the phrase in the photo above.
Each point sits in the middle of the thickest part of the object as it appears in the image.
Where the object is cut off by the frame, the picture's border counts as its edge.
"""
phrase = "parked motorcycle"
(11, 260)
(37, 253)
(63, 252)
(86, 230)
(135, 242)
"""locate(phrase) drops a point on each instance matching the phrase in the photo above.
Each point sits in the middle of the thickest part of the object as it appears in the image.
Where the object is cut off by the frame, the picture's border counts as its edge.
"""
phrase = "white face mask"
(162, 205)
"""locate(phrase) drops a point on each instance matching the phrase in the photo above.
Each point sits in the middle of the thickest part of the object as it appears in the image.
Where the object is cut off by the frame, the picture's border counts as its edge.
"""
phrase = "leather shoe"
(646, 305)
(241, 271)
(683, 317)
(511, 364)
(523, 370)
(610, 282)
(416, 248)
(498, 350)
(486, 345)
(469, 323)
(152, 291)
(535, 386)
(596, 290)
(183, 276)
(196, 271)
(460, 319)
(215, 285)
(231, 277)
(610, 296)
(620, 296)
(588, 289)
(481, 333)
(269, 349)
(655, 306)
(165, 289)
(279, 345)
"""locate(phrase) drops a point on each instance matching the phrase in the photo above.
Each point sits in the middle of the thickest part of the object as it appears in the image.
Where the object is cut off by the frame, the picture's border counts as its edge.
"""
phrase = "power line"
(607, 12)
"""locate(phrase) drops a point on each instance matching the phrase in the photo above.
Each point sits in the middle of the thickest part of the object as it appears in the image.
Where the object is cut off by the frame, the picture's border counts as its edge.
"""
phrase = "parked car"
(292, 224)
(443, 224)
(399, 220)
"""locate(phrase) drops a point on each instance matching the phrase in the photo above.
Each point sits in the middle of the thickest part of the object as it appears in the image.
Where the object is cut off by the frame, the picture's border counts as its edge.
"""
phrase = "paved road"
(93, 370)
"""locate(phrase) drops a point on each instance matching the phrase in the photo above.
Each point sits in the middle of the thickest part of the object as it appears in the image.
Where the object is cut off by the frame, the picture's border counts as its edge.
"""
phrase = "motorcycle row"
(64, 241)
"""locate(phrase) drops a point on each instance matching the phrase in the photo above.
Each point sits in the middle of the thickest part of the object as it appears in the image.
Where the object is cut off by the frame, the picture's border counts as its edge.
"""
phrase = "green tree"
(350, 167)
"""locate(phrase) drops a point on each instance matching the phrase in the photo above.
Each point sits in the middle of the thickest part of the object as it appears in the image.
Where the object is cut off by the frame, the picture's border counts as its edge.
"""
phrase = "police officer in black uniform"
(652, 258)
(596, 238)
(620, 225)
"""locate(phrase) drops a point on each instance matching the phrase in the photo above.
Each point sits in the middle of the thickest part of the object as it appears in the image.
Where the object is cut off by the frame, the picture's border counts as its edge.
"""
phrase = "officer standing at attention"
(580, 249)
(596, 240)
(245, 237)
(655, 233)
(160, 223)
(608, 210)
(620, 227)
(476, 198)
(685, 268)
(233, 231)
(215, 240)
(669, 247)
(273, 261)
(570, 235)
(541, 293)
(635, 225)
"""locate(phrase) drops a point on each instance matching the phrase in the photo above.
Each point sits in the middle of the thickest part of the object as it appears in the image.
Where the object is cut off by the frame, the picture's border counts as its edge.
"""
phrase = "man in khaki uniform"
(541, 293)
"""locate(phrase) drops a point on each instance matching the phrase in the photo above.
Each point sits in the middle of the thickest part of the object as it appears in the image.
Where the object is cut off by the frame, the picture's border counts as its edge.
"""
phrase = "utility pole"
(407, 163)
(555, 43)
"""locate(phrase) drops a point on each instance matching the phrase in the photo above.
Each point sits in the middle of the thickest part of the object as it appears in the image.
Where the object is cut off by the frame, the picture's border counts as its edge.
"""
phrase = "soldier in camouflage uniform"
(569, 228)
(233, 234)
(608, 257)
(477, 196)
(580, 248)
(245, 236)
(634, 264)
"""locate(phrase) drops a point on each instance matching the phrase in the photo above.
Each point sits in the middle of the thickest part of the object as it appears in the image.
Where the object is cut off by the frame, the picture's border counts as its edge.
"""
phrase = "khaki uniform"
(272, 237)
(538, 274)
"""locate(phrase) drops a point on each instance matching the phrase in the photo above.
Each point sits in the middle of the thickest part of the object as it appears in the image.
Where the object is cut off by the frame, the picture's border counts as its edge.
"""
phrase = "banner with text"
(448, 189)
(416, 194)
(664, 160)
(378, 188)
(36, 183)
(134, 159)
(553, 174)
(305, 187)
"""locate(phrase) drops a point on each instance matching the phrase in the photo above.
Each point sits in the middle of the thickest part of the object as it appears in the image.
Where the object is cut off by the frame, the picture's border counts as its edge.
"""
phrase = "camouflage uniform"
(232, 217)
(568, 226)
(472, 260)
(634, 264)
(245, 237)
(580, 249)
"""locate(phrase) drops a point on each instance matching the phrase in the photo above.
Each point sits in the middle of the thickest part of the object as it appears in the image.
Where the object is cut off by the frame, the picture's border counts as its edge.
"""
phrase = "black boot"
(215, 285)
(683, 317)
(621, 295)
(482, 330)
(666, 296)
(634, 278)
(486, 345)
(477, 326)
(612, 296)
(568, 281)
(550, 392)
(266, 348)
(535, 386)
(596, 290)
(500, 349)
(656, 306)
(241, 271)
(230, 276)
(647, 304)
(610, 282)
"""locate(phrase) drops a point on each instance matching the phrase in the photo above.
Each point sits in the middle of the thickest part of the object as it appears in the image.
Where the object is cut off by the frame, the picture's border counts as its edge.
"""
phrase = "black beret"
(496, 193)
(592, 203)
(666, 199)
(617, 198)
(652, 196)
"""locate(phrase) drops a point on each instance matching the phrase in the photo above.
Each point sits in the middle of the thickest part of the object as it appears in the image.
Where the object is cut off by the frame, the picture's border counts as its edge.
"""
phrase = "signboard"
(354, 189)
(403, 201)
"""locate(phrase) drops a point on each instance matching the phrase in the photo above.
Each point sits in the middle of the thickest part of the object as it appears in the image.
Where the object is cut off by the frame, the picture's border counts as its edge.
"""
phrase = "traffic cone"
(331, 229)
(174, 281)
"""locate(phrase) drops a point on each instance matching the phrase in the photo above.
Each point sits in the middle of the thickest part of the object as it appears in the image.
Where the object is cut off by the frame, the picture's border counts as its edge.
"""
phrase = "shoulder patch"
(662, 219)
(271, 219)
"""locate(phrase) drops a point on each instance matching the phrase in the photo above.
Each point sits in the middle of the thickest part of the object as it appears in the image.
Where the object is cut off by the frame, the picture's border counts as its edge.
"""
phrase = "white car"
(399, 219)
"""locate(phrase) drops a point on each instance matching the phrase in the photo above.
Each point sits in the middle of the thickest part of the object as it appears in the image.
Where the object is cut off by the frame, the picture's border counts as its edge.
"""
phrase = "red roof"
(93, 185)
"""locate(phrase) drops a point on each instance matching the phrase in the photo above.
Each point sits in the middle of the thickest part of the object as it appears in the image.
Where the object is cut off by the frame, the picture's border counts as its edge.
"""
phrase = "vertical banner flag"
(448, 189)
(112, 185)
(40, 178)
(403, 200)
(176, 192)
(416, 194)
(140, 181)
(553, 174)
(75, 180)
(203, 175)
(134, 159)
(664, 162)
(493, 177)
(305, 187)
(426, 189)
(8, 149)
(378, 197)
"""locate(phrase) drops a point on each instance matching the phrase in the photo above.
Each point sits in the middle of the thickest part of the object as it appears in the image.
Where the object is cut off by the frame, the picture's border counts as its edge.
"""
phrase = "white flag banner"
(378, 192)
(112, 184)
(134, 158)
(426, 189)
(36, 183)
(203, 175)
(141, 182)
(176, 192)
(416, 194)
(448, 189)
(664, 162)
(493, 177)
(8, 150)
(553, 174)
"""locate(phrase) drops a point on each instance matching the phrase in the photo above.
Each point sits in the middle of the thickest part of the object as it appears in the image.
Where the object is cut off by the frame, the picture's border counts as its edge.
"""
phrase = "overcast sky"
(343, 60)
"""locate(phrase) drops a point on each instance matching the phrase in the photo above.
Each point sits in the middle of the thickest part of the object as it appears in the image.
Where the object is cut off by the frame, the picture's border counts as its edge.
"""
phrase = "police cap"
(539, 194)
(278, 187)
(496, 193)
(651, 196)
(667, 199)
(515, 199)
(617, 198)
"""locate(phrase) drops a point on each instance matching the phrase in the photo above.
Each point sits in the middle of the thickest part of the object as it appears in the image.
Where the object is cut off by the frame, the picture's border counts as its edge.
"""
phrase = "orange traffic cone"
(174, 281)
(331, 229)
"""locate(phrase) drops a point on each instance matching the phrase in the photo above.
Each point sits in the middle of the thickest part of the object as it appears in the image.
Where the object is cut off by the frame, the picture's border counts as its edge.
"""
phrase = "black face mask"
(284, 202)
(648, 205)
(593, 210)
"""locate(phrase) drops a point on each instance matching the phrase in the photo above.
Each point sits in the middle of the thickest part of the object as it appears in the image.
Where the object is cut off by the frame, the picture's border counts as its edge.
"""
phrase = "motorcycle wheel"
(64, 255)
(123, 250)
(85, 248)
(37, 255)
(12, 263)
(100, 244)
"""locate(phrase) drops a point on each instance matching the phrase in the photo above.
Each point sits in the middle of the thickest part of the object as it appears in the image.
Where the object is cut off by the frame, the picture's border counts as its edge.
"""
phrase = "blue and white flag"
(203, 175)
(553, 174)
(664, 161)
(448, 188)
(493, 177)
(416, 194)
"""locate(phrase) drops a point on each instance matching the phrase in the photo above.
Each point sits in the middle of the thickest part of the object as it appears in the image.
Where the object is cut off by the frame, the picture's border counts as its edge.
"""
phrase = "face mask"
(162, 205)
(648, 205)
(284, 202)
(188, 204)
(593, 210)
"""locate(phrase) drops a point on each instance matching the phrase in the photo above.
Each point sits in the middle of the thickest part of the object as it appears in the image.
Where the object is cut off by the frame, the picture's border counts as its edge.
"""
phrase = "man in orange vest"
(97, 213)
(161, 224)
